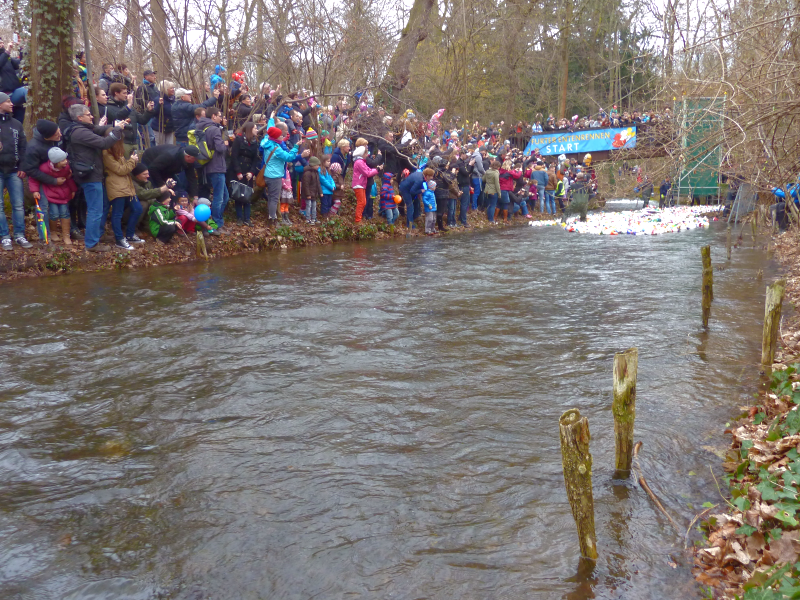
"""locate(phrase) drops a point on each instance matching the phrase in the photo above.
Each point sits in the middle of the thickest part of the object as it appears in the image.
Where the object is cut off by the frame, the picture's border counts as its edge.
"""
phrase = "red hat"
(274, 133)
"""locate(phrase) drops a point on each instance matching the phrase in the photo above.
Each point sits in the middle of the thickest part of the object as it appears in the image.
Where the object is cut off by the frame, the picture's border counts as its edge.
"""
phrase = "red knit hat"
(274, 133)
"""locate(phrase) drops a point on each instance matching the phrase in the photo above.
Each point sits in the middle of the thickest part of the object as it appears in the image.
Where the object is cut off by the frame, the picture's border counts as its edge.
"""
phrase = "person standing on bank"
(46, 135)
(13, 141)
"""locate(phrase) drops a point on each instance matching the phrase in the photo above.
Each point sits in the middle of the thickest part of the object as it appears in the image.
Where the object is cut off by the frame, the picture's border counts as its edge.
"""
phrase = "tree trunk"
(399, 71)
(564, 79)
(88, 53)
(50, 59)
(160, 39)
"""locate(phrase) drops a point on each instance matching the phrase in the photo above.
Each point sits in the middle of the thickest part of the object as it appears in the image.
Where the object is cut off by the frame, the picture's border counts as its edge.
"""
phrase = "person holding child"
(63, 189)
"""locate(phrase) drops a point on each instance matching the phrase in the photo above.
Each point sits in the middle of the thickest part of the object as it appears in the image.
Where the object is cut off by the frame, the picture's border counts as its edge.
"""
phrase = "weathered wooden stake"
(708, 283)
(728, 242)
(201, 246)
(624, 407)
(772, 321)
(754, 228)
(578, 477)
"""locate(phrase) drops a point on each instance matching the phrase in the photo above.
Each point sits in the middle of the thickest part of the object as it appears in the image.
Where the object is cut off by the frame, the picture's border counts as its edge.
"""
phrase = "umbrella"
(40, 226)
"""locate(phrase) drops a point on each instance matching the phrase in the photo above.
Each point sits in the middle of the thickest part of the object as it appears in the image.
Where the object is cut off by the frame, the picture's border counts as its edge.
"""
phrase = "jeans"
(465, 202)
(221, 197)
(57, 211)
(242, 211)
(491, 204)
(412, 207)
(311, 210)
(550, 200)
(504, 200)
(476, 187)
(392, 215)
(95, 195)
(325, 205)
(117, 208)
(451, 211)
(542, 198)
(13, 184)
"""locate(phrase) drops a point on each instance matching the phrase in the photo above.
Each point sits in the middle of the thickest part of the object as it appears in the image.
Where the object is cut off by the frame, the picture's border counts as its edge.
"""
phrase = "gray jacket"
(86, 145)
(216, 143)
(478, 169)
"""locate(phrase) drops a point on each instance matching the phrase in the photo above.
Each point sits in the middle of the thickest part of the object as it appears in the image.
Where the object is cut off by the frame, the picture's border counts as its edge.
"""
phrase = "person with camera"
(10, 83)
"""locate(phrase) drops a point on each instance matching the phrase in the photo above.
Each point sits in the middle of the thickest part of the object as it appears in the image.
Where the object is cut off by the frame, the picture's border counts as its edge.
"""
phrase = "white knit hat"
(359, 152)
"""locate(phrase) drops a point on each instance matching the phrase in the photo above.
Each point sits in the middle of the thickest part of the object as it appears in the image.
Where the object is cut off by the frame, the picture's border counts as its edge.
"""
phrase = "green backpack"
(197, 138)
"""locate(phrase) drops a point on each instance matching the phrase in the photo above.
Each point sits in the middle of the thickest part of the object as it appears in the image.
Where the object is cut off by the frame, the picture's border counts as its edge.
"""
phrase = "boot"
(51, 232)
(286, 219)
(505, 216)
(65, 232)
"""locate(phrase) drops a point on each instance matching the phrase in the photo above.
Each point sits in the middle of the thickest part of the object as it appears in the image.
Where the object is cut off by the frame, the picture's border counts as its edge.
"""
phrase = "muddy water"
(375, 421)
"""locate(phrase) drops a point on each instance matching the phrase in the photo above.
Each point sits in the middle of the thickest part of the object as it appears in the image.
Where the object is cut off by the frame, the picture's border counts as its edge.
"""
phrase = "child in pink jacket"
(58, 196)
(361, 176)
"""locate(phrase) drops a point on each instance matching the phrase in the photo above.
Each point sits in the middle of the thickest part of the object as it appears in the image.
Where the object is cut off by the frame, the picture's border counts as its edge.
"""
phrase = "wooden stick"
(624, 408)
(201, 245)
(646, 488)
(728, 241)
(708, 283)
(577, 462)
(772, 320)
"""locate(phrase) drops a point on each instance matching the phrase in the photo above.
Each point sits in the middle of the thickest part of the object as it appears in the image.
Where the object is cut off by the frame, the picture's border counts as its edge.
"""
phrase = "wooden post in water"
(201, 245)
(624, 408)
(708, 283)
(577, 464)
(772, 322)
(754, 228)
(728, 242)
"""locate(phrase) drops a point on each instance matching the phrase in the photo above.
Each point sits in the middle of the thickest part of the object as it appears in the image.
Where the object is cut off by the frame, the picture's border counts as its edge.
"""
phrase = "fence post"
(708, 283)
(728, 241)
(577, 462)
(624, 408)
(772, 321)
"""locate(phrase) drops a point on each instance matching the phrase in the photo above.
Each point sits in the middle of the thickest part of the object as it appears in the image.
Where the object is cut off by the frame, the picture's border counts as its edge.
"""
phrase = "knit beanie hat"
(139, 169)
(46, 128)
(313, 161)
(311, 134)
(56, 155)
(360, 151)
(274, 133)
(335, 168)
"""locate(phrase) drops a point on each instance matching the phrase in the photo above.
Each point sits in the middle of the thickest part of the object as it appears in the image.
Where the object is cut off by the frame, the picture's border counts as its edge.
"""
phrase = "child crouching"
(162, 219)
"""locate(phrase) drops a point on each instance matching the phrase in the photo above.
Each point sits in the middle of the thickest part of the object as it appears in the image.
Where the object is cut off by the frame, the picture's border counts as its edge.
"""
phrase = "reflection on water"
(374, 421)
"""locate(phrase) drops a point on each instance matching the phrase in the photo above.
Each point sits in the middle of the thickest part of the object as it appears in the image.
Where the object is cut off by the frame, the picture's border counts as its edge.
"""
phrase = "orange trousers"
(361, 202)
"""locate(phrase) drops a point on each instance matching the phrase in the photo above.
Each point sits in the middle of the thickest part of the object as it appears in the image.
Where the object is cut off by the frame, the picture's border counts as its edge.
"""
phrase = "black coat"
(166, 161)
(164, 122)
(35, 155)
(119, 111)
(245, 157)
(86, 145)
(9, 80)
(183, 116)
(14, 143)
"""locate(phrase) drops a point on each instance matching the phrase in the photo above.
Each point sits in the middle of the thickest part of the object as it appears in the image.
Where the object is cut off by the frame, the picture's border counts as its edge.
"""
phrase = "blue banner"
(586, 140)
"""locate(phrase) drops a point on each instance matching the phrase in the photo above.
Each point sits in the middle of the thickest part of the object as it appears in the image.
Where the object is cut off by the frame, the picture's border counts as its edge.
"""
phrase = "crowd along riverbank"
(750, 534)
(41, 261)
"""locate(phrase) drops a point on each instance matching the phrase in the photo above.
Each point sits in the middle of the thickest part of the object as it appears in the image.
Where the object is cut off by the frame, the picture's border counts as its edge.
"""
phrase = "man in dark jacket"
(86, 145)
(183, 113)
(216, 167)
(13, 143)
(144, 95)
(163, 124)
(120, 107)
(410, 189)
(10, 82)
(107, 78)
(169, 161)
(46, 135)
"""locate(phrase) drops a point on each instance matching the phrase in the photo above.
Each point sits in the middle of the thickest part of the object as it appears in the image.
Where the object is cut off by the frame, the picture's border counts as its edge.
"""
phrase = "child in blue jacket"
(429, 201)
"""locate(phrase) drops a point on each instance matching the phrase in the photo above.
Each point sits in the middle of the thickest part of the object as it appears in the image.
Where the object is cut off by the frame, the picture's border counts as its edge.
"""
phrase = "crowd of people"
(156, 151)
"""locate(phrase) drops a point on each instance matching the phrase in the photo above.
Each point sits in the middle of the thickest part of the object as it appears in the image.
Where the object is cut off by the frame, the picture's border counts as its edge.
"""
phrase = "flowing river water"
(365, 421)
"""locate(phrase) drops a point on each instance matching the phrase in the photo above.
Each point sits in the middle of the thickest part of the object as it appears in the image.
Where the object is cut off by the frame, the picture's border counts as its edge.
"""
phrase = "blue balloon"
(202, 212)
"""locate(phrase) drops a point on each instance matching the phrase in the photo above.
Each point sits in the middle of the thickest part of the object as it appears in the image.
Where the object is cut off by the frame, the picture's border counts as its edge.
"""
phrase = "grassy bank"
(60, 259)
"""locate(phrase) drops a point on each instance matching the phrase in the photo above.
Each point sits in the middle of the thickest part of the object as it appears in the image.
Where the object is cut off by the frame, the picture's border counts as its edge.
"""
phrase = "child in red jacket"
(57, 195)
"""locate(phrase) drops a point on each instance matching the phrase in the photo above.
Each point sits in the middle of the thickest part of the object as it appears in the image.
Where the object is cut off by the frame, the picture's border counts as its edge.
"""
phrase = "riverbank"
(751, 535)
(41, 262)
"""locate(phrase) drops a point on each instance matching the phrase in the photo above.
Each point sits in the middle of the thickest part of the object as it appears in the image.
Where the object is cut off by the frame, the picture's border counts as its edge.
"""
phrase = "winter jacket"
(55, 194)
(105, 81)
(464, 174)
(311, 188)
(13, 142)
(539, 175)
(478, 167)
(326, 182)
(145, 191)
(147, 92)
(167, 160)
(344, 161)
(338, 193)
(276, 167)
(387, 192)
(9, 67)
(429, 200)
(214, 142)
(183, 116)
(393, 161)
(551, 181)
(492, 179)
(412, 185)
(507, 179)
(119, 183)
(362, 173)
(243, 115)
(36, 155)
(160, 215)
(86, 145)
(119, 111)
(163, 122)
(245, 157)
